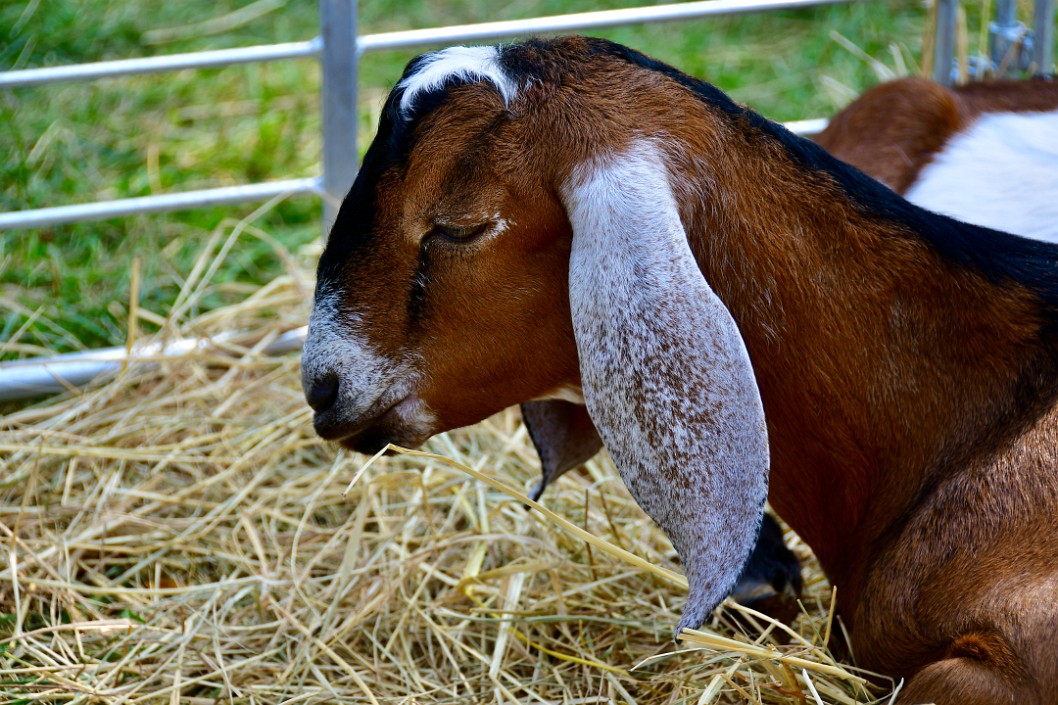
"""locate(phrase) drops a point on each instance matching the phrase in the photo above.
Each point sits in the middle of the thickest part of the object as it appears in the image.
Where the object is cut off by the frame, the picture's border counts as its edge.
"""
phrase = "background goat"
(985, 153)
(571, 214)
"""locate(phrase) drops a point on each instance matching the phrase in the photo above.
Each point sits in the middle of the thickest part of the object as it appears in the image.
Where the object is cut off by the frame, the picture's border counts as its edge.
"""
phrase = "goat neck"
(887, 359)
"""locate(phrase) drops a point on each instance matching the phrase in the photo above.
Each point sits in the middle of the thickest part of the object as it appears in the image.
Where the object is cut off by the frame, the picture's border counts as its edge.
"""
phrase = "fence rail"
(185, 200)
(160, 64)
(580, 21)
(22, 379)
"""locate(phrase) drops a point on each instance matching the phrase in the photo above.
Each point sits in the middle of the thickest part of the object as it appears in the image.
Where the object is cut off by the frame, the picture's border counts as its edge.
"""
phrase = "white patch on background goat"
(465, 63)
(1001, 173)
(666, 376)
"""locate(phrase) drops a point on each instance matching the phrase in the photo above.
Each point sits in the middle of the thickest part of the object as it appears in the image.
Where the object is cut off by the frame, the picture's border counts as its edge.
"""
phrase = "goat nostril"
(323, 393)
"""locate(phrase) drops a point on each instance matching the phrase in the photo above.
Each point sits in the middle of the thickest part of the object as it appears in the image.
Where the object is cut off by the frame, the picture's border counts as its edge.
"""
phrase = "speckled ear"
(563, 435)
(666, 376)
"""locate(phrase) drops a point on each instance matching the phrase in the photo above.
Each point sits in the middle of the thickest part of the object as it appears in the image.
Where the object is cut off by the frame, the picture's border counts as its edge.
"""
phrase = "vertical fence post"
(944, 41)
(1043, 41)
(339, 58)
(1008, 39)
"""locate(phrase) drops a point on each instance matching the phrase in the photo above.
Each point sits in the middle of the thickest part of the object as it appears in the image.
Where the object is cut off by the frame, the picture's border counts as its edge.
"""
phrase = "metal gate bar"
(944, 41)
(579, 21)
(1043, 46)
(186, 200)
(159, 64)
(22, 379)
(1004, 30)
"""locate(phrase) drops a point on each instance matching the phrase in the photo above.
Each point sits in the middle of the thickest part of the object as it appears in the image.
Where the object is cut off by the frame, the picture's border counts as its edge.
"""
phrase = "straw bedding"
(178, 535)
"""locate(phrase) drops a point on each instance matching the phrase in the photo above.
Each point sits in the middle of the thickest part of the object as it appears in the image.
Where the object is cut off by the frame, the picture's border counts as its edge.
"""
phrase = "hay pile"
(178, 535)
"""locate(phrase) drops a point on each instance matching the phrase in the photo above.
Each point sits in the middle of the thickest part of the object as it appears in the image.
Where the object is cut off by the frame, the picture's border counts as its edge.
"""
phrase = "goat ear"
(563, 435)
(665, 373)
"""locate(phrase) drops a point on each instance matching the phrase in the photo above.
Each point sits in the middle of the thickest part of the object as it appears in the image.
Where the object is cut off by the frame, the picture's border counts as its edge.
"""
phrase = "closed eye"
(458, 233)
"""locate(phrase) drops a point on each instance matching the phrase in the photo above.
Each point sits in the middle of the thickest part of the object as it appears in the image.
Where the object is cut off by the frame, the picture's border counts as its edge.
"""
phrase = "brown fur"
(894, 130)
(910, 405)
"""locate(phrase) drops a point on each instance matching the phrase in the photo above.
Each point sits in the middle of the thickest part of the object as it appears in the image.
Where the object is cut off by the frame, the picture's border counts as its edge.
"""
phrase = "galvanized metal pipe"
(944, 41)
(577, 21)
(1008, 39)
(159, 64)
(1006, 13)
(340, 60)
(25, 379)
(807, 128)
(1043, 42)
(46, 217)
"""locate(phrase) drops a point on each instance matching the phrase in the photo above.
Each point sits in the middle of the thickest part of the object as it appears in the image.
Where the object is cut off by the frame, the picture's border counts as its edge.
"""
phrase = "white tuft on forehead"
(466, 63)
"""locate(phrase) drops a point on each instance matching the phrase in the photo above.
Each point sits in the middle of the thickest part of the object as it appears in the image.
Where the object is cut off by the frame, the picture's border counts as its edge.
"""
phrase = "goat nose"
(323, 392)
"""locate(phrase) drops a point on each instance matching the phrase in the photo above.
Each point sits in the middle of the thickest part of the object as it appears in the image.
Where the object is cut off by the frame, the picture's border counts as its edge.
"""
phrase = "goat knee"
(981, 669)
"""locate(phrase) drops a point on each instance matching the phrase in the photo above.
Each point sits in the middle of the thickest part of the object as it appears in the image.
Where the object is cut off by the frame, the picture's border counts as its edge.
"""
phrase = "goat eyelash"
(457, 233)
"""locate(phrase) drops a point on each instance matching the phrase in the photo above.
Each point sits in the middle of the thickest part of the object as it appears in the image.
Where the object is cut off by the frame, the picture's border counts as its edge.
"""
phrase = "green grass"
(66, 287)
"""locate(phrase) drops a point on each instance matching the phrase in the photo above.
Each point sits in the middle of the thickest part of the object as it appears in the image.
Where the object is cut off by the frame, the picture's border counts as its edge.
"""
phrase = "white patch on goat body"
(1001, 173)
(466, 63)
(666, 376)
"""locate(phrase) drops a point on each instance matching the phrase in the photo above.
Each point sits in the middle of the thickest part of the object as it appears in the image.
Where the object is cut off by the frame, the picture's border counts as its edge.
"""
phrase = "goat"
(730, 300)
(985, 153)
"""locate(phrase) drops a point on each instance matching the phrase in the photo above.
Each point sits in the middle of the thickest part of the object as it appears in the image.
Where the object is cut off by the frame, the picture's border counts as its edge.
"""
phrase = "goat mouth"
(371, 432)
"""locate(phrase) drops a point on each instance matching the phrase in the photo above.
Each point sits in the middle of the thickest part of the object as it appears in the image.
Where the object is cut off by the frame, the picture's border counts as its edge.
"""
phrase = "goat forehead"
(456, 63)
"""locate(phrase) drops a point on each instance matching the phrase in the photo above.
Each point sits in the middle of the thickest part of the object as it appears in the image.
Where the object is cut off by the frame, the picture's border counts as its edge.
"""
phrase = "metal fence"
(1013, 47)
(339, 48)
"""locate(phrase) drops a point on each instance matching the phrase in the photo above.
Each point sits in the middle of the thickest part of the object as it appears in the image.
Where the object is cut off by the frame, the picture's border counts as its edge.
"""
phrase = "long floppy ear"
(563, 435)
(666, 376)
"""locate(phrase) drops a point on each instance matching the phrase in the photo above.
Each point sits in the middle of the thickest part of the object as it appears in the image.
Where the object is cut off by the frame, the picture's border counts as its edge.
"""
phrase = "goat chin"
(572, 214)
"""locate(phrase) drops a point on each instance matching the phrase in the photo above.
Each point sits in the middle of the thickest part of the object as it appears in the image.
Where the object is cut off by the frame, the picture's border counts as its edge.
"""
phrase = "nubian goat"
(985, 153)
(571, 216)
